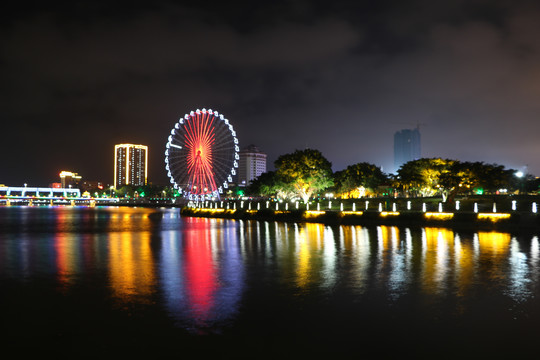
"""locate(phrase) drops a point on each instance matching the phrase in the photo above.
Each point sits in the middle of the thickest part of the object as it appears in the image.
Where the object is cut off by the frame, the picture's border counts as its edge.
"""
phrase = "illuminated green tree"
(465, 177)
(303, 173)
(421, 177)
(267, 184)
(358, 179)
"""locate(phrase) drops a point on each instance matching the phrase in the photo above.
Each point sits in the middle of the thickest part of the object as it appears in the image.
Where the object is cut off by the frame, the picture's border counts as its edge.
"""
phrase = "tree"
(145, 191)
(493, 177)
(463, 177)
(422, 176)
(529, 184)
(304, 172)
(267, 184)
(356, 179)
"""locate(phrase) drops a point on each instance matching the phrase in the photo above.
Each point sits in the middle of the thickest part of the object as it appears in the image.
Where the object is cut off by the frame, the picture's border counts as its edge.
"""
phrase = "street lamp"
(519, 175)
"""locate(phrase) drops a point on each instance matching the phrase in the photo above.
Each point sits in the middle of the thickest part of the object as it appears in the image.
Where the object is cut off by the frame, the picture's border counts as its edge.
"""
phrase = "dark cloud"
(341, 77)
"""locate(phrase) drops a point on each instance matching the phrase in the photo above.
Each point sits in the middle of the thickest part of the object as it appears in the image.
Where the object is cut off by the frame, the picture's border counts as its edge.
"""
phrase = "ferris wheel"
(201, 155)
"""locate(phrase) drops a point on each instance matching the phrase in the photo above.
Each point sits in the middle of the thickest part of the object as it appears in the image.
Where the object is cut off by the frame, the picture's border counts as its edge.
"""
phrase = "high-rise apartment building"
(252, 163)
(130, 165)
(406, 146)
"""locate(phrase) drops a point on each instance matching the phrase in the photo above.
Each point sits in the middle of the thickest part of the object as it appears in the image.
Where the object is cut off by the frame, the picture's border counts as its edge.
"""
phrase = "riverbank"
(516, 220)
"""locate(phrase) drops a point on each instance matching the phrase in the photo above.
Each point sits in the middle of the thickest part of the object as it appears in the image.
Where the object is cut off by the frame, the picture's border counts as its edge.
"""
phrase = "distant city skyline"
(336, 76)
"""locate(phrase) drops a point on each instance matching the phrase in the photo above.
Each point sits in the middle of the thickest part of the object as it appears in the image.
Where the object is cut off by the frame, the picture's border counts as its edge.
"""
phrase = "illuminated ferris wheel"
(201, 155)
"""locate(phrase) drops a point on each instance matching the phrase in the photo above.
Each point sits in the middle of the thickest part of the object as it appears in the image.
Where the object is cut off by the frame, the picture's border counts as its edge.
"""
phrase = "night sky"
(340, 77)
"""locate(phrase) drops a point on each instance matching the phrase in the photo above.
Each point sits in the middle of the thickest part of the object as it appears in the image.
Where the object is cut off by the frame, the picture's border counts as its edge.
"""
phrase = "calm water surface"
(113, 282)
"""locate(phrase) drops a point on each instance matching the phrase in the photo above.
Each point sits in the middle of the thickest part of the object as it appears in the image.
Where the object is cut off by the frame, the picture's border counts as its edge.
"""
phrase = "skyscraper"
(252, 163)
(130, 164)
(406, 146)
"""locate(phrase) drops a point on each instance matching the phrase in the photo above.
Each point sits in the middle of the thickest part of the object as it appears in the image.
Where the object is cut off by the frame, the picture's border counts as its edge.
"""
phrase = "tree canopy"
(269, 184)
(427, 177)
(303, 173)
(358, 180)
(470, 176)
(421, 177)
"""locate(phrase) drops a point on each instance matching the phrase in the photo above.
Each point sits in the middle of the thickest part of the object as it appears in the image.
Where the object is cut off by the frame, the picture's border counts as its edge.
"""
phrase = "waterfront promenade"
(480, 212)
(499, 212)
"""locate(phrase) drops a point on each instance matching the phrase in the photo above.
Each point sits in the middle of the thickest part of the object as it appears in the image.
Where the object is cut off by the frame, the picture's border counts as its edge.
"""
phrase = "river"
(121, 281)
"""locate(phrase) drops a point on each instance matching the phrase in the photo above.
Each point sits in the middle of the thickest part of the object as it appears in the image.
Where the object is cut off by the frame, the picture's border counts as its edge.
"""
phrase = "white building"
(252, 163)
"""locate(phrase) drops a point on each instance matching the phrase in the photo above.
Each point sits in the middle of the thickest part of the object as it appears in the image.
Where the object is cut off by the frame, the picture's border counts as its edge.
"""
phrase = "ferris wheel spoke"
(202, 153)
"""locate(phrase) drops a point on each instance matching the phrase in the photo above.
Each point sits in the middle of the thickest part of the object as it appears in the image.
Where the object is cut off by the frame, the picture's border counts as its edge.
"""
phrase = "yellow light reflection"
(66, 247)
(388, 235)
(129, 218)
(438, 243)
(309, 241)
(494, 248)
(346, 236)
(360, 256)
(464, 260)
(131, 264)
(302, 271)
(388, 241)
(495, 243)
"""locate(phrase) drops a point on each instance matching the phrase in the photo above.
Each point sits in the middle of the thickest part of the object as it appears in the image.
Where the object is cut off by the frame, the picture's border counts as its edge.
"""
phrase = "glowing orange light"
(439, 216)
(352, 212)
(493, 216)
(389, 213)
(313, 213)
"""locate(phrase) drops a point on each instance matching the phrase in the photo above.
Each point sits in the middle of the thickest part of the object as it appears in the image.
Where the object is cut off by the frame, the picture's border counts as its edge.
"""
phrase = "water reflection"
(534, 261)
(67, 262)
(437, 261)
(201, 270)
(361, 253)
(437, 249)
(131, 265)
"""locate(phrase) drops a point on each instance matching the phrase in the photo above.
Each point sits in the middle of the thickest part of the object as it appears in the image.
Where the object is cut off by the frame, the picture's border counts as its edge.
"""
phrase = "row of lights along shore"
(210, 205)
